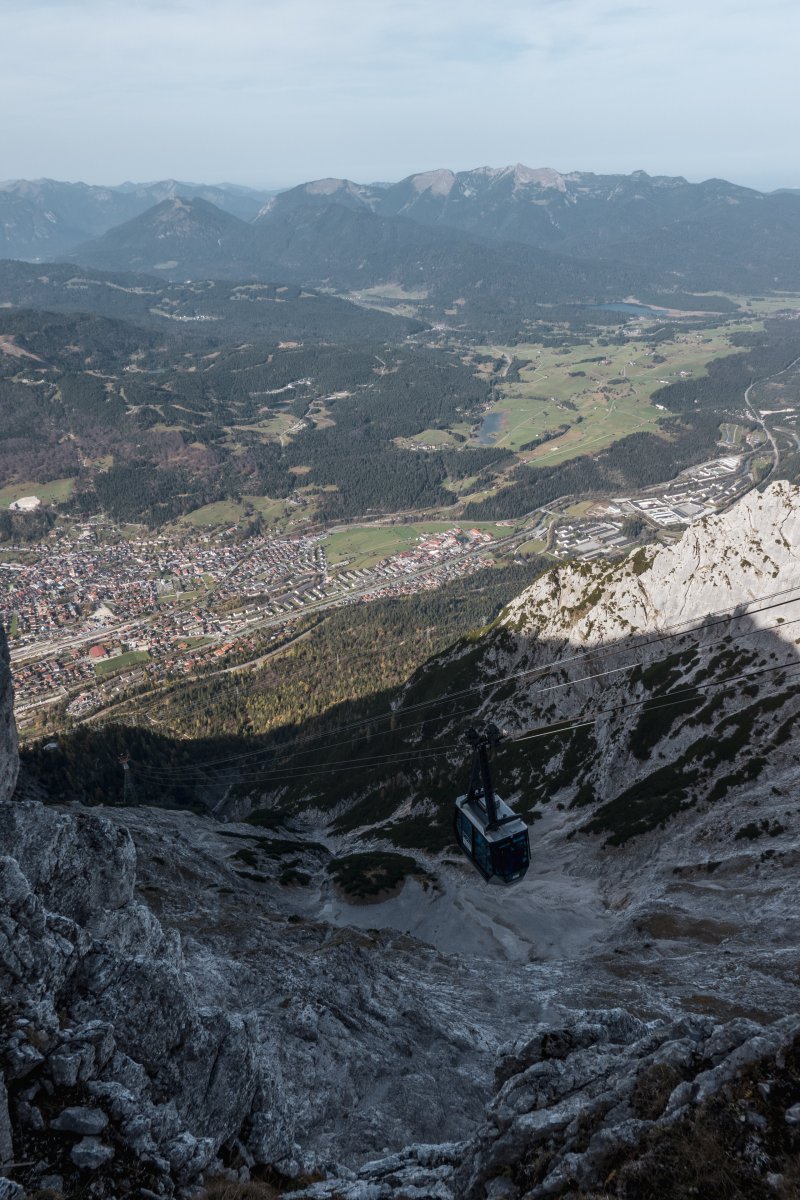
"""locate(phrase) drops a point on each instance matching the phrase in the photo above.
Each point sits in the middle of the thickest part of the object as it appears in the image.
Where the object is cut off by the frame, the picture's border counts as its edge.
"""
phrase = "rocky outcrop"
(367, 1034)
(113, 1071)
(109, 1058)
(580, 1100)
(612, 1102)
(256, 1038)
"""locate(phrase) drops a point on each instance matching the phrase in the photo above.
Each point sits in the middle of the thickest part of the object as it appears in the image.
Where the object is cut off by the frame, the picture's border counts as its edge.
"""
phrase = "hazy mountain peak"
(544, 177)
(181, 212)
(180, 234)
(439, 183)
(327, 187)
(522, 176)
(320, 192)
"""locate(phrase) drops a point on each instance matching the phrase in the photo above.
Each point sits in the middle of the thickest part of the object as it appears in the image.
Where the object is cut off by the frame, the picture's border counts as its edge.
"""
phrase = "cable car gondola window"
(481, 853)
(465, 833)
(511, 858)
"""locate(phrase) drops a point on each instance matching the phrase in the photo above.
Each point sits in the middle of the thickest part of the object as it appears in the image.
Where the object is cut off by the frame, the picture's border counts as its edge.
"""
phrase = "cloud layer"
(273, 92)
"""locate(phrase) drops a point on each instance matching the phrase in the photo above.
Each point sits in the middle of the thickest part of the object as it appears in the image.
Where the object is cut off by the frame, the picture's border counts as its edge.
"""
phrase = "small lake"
(635, 310)
(492, 425)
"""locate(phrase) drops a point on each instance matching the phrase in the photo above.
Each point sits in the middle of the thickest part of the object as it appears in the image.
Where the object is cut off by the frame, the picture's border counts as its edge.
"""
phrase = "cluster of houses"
(434, 578)
(184, 604)
(80, 584)
(433, 548)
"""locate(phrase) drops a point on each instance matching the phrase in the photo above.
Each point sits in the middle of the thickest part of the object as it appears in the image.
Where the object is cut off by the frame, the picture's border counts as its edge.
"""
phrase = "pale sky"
(273, 92)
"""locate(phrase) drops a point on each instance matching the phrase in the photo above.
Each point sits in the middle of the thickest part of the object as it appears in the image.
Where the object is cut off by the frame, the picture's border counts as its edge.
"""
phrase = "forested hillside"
(156, 428)
(204, 310)
(187, 396)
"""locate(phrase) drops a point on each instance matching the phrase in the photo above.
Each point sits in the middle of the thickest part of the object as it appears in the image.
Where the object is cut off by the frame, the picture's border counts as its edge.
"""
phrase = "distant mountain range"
(481, 245)
(577, 212)
(451, 275)
(680, 234)
(45, 218)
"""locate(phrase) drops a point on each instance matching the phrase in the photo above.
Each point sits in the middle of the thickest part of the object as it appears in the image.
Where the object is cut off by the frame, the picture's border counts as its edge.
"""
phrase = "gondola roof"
(509, 822)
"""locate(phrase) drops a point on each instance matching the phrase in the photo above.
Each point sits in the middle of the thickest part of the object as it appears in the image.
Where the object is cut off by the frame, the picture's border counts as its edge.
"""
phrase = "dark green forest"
(153, 425)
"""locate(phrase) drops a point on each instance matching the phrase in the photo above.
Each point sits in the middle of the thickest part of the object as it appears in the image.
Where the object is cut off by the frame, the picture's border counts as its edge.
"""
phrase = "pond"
(492, 425)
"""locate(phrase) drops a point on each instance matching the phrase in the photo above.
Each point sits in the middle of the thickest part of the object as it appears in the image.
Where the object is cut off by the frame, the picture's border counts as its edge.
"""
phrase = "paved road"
(757, 417)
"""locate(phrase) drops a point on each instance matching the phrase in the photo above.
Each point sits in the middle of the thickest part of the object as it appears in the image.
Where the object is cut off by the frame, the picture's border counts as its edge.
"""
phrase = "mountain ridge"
(670, 232)
(44, 218)
(451, 233)
(207, 240)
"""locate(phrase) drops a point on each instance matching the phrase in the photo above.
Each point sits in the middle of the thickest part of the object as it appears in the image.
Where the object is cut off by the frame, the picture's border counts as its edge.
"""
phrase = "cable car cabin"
(487, 830)
(500, 850)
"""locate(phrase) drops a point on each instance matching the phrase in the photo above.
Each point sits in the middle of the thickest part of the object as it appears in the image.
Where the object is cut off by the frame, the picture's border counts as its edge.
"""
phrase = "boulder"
(86, 1121)
(89, 1154)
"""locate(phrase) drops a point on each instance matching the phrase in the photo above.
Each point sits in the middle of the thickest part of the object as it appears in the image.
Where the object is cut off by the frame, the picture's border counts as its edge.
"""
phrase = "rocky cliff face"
(135, 1057)
(104, 1038)
(613, 1106)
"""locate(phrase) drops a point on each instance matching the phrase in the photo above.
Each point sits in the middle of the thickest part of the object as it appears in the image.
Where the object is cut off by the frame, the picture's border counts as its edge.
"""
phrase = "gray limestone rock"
(90, 1153)
(86, 1121)
(29, 1116)
(104, 1002)
(596, 1083)
(6, 1136)
(575, 1111)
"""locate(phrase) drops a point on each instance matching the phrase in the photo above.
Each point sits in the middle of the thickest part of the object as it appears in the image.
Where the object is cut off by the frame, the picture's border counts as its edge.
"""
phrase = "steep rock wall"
(611, 1105)
(100, 1015)
(680, 665)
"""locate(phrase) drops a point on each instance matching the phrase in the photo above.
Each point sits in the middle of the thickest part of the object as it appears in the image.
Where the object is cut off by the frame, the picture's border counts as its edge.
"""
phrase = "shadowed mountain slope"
(181, 239)
(677, 234)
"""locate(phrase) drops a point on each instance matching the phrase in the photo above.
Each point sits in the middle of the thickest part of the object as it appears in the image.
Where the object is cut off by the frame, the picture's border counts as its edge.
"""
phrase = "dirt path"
(9, 347)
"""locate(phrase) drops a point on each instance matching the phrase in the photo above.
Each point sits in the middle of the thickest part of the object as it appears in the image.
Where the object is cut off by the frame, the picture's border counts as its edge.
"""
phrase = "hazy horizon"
(272, 93)
(374, 179)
